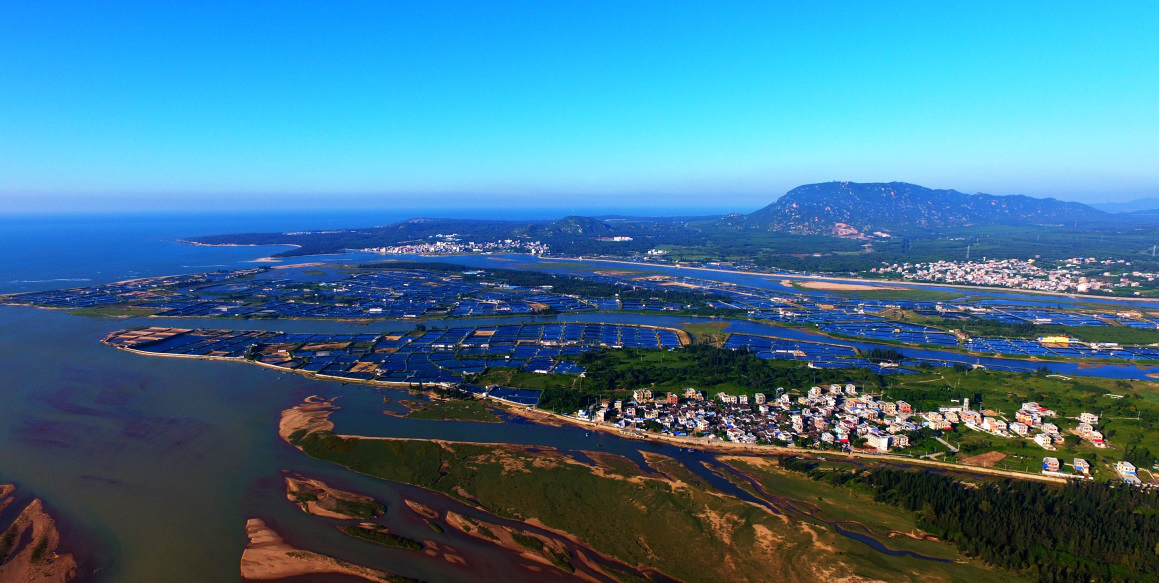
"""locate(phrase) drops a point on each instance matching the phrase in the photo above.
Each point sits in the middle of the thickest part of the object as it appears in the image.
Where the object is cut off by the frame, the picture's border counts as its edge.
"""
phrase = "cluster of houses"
(1013, 273)
(1118, 271)
(1125, 469)
(450, 244)
(836, 416)
(1086, 429)
(1032, 421)
(1051, 466)
(1071, 275)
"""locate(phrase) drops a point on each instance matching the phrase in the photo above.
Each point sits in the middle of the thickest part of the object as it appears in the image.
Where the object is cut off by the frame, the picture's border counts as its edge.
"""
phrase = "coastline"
(200, 244)
(404, 385)
(682, 335)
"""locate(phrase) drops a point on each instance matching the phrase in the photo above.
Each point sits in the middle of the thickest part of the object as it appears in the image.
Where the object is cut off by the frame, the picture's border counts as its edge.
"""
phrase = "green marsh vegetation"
(451, 410)
(377, 535)
(666, 520)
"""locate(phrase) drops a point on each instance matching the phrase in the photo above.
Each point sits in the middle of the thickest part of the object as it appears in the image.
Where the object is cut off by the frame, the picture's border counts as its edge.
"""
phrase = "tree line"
(696, 365)
(1080, 532)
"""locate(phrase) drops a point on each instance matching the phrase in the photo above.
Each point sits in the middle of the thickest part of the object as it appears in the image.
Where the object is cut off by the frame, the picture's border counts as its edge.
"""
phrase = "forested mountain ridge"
(857, 209)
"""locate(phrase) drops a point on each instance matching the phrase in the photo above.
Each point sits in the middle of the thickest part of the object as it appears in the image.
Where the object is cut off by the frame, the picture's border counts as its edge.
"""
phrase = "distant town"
(452, 244)
(1072, 275)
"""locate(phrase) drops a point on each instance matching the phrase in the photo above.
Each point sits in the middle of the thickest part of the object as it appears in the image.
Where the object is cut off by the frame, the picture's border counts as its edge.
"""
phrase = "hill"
(568, 226)
(854, 209)
(1141, 204)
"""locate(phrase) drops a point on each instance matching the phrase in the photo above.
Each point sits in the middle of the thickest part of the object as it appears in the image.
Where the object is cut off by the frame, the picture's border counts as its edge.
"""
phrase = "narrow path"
(947, 444)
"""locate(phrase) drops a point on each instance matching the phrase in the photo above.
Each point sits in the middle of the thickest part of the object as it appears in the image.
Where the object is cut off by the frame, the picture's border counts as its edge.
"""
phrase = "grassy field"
(510, 377)
(706, 332)
(451, 410)
(668, 518)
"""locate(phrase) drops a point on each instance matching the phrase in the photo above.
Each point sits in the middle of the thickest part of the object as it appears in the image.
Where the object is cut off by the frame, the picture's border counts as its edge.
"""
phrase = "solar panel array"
(819, 355)
(1037, 316)
(895, 331)
(1023, 347)
(435, 356)
(403, 293)
(782, 349)
(1138, 323)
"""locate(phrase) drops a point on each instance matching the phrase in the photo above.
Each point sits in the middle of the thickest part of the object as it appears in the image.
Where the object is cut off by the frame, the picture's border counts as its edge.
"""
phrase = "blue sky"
(634, 104)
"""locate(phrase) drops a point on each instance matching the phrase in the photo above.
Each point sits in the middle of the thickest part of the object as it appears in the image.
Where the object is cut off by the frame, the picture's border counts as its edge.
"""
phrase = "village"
(1071, 275)
(840, 417)
(451, 244)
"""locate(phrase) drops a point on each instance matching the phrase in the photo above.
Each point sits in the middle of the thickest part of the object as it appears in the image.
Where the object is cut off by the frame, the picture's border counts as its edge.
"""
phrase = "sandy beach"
(268, 557)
